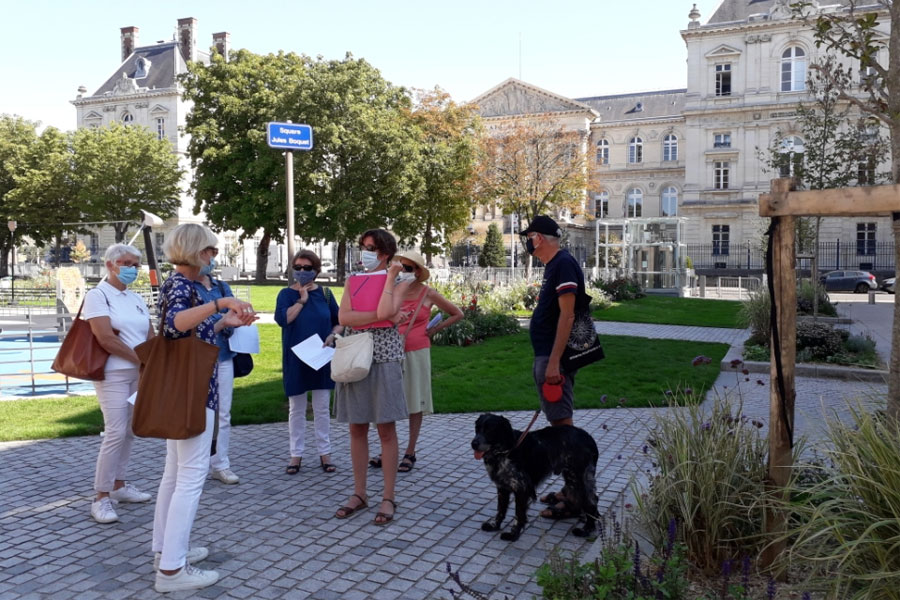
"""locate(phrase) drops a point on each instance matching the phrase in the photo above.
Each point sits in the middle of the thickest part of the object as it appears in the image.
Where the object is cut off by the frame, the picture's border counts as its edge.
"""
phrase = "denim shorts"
(563, 409)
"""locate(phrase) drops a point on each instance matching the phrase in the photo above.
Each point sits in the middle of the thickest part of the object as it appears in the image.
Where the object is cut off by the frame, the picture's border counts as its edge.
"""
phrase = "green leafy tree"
(239, 181)
(493, 254)
(122, 169)
(47, 191)
(16, 136)
(449, 148)
(860, 33)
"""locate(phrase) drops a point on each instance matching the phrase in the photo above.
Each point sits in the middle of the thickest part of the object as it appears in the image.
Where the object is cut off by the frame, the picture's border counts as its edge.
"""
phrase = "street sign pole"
(289, 193)
(289, 137)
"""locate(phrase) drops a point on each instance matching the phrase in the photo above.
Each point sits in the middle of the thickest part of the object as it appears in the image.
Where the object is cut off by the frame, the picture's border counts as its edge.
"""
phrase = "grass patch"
(263, 296)
(496, 374)
(667, 310)
(460, 377)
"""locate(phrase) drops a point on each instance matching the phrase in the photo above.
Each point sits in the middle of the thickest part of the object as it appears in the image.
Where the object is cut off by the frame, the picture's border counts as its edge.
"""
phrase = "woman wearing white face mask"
(371, 302)
(120, 321)
(304, 309)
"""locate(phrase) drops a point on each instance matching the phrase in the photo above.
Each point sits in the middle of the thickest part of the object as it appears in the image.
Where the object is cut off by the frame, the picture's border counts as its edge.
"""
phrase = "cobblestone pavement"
(273, 535)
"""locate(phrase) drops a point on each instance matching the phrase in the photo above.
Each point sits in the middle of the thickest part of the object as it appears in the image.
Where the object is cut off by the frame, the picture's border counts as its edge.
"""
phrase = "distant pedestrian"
(120, 321)
(302, 309)
(551, 324)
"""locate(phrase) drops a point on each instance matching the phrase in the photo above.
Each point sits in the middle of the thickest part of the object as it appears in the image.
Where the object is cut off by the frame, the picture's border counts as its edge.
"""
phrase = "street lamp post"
(12, 233)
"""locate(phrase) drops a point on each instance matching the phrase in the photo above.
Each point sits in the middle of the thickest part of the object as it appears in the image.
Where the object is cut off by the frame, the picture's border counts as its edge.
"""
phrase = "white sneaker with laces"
(188, 578)
(129, 493)
(194, 555)
(103, 512)
(226, 476)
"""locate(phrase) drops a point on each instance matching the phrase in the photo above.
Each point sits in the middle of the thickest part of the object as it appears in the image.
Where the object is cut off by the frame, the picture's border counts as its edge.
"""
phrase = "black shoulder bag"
(583, 346)
(241, 361)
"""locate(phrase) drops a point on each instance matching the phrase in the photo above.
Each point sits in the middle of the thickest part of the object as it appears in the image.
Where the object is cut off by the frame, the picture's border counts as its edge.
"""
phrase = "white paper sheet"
(245, 340)
(131, 399)
(312, 353)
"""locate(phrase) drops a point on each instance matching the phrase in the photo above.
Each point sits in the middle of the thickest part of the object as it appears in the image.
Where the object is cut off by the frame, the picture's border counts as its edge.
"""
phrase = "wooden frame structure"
(784, 205)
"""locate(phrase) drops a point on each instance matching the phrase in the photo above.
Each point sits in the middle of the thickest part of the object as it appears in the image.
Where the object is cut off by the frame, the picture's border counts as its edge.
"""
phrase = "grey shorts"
(554, 411)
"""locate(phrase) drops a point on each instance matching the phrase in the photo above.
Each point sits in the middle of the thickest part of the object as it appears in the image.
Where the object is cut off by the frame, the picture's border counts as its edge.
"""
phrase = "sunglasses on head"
(409, 268)
(303, 268)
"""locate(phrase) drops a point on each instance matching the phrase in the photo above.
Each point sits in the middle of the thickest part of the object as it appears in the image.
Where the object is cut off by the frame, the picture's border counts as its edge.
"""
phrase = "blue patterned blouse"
(179, 294)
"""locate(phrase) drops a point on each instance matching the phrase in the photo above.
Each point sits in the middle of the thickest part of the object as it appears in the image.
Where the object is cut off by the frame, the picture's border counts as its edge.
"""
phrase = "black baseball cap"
(544, 225)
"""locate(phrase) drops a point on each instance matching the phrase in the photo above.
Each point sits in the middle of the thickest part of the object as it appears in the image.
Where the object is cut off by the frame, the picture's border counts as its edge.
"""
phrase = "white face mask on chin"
(369, 259)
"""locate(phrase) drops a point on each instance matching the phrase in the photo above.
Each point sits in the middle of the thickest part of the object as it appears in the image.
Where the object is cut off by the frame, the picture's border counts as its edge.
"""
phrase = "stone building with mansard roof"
(695, 152)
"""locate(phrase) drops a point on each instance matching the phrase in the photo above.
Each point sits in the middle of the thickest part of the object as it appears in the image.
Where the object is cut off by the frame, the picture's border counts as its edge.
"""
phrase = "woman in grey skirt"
(372, 302)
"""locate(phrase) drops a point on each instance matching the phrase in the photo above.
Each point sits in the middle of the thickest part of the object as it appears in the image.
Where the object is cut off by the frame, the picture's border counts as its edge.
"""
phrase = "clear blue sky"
(576, 48)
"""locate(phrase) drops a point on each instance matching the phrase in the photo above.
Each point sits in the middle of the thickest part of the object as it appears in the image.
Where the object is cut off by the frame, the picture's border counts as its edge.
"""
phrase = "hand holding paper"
(312, 352)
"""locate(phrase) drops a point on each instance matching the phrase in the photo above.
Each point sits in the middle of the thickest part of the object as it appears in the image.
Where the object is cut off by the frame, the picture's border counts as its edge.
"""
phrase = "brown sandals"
(385, 518)
(345, 511)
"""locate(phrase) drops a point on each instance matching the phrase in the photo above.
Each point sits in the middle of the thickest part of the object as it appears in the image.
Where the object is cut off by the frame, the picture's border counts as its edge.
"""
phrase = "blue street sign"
(289, 136)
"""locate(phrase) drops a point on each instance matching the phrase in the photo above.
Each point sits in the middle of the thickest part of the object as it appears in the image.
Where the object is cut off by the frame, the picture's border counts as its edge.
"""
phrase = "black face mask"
(529, 246)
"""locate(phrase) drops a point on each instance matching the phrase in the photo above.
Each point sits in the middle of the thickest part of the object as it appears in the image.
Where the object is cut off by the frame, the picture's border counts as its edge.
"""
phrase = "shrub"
(819, 339)
(476, 325)
(620, 289)
(849, 535)
(710, 474)
(599, 299)
(806, 292)
(754, 314)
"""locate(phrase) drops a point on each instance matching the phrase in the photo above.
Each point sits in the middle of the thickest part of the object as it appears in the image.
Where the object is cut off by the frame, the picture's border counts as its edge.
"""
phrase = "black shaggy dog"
(520, 469)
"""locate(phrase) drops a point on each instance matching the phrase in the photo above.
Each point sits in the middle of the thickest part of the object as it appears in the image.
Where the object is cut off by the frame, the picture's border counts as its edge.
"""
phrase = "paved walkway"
(273, 536)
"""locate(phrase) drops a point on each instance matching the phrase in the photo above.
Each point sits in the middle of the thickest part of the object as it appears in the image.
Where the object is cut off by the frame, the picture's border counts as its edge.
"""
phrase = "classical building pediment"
(93, 116)
(159, 110)
(723, 51)
(514, 97)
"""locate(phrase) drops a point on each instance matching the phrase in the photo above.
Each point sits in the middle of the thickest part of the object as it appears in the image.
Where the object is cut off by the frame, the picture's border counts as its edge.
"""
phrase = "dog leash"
(537, 413)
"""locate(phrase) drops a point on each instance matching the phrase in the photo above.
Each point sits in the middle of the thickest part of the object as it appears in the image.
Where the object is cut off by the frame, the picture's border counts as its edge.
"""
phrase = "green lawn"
(495, 375)
(668, 310)
(263, 296)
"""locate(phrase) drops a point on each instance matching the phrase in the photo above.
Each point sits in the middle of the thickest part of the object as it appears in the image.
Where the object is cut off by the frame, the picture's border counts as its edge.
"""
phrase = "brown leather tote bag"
(81, 356)
(173, 385)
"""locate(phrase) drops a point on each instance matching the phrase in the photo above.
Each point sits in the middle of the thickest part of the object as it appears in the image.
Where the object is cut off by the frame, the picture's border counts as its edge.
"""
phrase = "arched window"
(128, 118)
(601, 204)
(635, 150)
(791, 156)
(669, 203)
(603, 152)
(635, 202)
(793, 70)
(670, 147)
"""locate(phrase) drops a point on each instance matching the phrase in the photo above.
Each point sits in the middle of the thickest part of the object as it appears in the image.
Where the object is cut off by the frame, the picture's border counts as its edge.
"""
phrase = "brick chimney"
(187, 38)
(221, 43)
(129, 40)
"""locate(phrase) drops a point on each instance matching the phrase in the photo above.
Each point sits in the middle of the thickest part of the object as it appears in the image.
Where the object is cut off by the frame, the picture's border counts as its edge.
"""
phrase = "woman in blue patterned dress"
(189, 247)
(301, 310)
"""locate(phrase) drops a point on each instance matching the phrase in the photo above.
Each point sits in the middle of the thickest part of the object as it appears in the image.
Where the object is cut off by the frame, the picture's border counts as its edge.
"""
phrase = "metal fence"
(31, 339)
(833, 256)
(724, 288)
(495, 275)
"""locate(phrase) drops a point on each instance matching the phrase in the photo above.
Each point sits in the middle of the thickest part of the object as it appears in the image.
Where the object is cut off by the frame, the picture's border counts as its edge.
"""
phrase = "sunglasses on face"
(409, 268)
(303, 268)
(212, 250)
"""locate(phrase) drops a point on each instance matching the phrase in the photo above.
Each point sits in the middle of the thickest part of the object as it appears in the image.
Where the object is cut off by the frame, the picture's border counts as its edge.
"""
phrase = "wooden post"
(783, 352)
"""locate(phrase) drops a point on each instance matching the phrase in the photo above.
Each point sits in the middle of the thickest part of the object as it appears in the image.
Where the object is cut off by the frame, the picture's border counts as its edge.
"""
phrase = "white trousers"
(187, 464)
(219, 460)
(321, 420)
(115, 448)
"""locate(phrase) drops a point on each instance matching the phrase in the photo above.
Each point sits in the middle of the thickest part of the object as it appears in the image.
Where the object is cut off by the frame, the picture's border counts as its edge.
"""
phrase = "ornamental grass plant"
(847, 529)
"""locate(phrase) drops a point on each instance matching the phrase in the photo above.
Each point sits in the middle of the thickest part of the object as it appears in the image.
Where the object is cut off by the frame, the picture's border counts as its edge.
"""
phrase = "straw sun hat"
(415, 257)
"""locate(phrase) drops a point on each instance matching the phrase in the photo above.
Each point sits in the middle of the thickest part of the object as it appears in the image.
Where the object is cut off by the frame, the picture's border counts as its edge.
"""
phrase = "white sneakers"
(226, 476)
(103, 512)
(129, 493)
(194, 555)
(188, 578)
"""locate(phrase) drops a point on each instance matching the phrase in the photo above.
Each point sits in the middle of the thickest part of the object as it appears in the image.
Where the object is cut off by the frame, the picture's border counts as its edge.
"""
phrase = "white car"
(888, 285)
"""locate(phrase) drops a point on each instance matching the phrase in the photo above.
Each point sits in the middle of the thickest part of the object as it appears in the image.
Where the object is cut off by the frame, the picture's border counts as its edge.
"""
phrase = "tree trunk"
(58, 248)
(5, 253)
(893, 399)
(262, 257)
(341, 261)
(814, 269)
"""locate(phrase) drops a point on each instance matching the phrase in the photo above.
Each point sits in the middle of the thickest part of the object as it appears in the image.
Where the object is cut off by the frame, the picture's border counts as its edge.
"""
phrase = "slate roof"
(166, 63)
(624, 107)
(740, 10)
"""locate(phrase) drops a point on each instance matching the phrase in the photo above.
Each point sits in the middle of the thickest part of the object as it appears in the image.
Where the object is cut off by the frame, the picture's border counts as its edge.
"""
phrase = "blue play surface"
(16, 366)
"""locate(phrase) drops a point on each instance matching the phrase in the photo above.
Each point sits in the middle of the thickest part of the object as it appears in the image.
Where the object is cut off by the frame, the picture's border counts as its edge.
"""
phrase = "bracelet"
(216, 304)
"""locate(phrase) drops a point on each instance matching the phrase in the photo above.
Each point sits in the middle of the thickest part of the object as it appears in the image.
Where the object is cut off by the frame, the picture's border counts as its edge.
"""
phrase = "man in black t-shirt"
(551, 324)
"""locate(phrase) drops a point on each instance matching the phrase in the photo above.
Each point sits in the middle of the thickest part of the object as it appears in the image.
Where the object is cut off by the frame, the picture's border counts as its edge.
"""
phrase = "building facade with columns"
(698, 153)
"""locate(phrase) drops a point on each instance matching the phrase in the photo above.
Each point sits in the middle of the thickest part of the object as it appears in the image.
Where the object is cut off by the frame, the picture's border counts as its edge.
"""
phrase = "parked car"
(888, 285)
(848, 281)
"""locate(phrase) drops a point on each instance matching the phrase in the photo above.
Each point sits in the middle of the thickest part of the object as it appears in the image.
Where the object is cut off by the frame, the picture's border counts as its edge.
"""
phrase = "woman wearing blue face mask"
(120, 321)
(304, 309)
(210, 290)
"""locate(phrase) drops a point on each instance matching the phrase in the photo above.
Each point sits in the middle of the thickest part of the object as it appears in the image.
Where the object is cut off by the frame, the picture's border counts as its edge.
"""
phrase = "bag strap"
(415, 313)
(165, 307)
